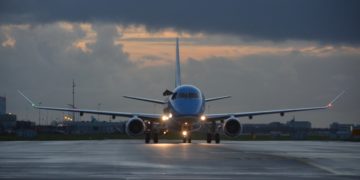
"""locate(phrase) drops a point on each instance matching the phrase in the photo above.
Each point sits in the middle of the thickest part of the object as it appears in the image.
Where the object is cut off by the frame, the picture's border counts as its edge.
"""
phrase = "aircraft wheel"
(217, 138)
(189, 140)
(147, 138)
(156, 138)
(208, 138)
(184, 140)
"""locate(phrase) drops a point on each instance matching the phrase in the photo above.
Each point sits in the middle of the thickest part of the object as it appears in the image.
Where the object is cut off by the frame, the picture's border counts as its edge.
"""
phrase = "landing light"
(165, 118)
(329, 105)
(67, 118)
(203, 118)
(170, 115)
(184, 133)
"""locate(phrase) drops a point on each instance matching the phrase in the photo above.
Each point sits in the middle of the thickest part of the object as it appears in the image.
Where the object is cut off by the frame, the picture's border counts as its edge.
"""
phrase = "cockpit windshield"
(185, 95)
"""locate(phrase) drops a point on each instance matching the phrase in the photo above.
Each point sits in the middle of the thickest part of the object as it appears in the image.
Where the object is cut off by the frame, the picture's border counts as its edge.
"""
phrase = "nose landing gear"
(186, 133)
(186, 137)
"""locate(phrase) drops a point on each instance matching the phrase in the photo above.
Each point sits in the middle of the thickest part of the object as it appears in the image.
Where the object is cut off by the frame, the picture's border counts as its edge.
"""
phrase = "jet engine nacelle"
(135, 127)
(232, 127)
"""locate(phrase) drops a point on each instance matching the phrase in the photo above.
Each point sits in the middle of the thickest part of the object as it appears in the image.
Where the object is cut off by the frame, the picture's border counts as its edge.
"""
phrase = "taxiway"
(132, 159)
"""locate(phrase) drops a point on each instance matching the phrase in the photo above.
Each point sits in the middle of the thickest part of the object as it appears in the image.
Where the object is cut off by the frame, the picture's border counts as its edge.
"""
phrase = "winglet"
(335, 99)
(27, 99)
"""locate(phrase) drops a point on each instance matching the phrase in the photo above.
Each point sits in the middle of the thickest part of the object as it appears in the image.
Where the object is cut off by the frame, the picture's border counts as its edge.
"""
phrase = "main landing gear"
(151, 133)
(147, 138)
(213, 134)
(155, 137)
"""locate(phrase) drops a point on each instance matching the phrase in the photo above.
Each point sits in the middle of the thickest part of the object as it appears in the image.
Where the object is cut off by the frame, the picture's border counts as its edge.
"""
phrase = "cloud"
(43, 67)
(89, 39)
(66, 26)
(9, 42)
(141, 33)
(44, 64)
(325, 21)
(7, 31)
(273, 82)
(148, 48)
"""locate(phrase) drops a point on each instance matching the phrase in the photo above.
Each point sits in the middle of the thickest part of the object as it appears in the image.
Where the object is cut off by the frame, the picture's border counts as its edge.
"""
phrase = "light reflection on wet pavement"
(131, 159)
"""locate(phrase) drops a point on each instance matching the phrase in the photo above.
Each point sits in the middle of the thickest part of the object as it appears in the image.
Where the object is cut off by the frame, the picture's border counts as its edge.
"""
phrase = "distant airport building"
(7, 123)
(356, 132)
(91, 127)
(25, 129)
(2, 105)
(299, 125)
(296, 129)
(342, 131)
(10, 125)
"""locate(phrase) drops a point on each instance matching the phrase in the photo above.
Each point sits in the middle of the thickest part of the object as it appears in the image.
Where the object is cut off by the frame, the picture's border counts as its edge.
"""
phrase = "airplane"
(183, 112)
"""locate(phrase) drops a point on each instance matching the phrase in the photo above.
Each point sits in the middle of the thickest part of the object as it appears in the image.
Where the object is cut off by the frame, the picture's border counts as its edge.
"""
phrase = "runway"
(132, 159)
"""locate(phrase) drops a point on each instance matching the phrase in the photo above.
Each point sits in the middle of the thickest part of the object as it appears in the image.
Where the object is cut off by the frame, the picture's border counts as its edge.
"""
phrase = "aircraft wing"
(144, 116)
(146, 99)
(216, 98)
(215, 117)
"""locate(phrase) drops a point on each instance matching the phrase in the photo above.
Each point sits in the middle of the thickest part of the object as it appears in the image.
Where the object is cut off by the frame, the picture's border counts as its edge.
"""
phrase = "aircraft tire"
(147, 138)
(217, 138)
(208, 138)
(156, 138)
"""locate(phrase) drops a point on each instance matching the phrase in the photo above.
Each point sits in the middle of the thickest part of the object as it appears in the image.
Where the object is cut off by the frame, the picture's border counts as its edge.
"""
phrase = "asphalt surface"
(131, 159)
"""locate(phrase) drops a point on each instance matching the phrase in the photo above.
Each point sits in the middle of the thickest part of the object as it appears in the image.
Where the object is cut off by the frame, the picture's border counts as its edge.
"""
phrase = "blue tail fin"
(178, 71)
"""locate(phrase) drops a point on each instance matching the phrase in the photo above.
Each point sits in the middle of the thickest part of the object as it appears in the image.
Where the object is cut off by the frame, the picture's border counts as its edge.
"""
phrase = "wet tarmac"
(132, 159)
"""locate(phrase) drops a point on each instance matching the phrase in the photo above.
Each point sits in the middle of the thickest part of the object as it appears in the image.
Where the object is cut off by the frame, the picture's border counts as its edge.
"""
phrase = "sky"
(266, 54)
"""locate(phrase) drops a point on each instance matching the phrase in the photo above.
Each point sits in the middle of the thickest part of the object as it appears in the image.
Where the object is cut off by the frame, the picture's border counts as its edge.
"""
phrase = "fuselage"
(186, 105)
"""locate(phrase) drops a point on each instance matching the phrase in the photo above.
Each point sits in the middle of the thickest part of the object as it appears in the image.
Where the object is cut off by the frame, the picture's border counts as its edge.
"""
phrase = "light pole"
(99, 106)
(73, 98)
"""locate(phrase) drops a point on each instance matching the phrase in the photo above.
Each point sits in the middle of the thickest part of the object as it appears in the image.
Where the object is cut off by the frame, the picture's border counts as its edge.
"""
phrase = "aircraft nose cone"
(188, 108)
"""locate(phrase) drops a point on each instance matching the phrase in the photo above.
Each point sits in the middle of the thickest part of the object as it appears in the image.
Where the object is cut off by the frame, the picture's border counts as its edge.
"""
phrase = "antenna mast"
(73, 98)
